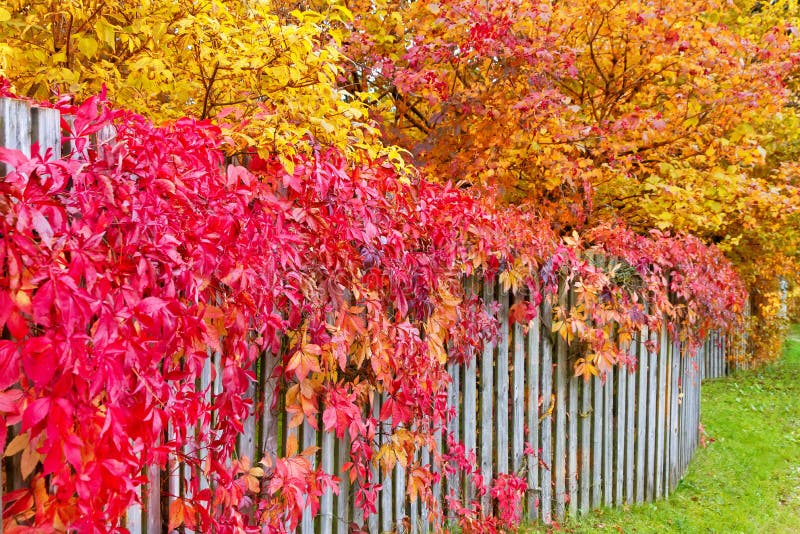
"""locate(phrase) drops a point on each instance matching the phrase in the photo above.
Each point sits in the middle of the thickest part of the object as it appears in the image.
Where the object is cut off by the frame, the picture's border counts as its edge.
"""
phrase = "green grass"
(748, 479)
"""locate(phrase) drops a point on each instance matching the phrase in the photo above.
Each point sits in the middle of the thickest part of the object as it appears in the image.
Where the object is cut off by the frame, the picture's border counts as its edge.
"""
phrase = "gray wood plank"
(641, 418)
(487, 406)
(270, 413)
(470, 403)
(343, 499)
(387, 499)
(586, 446)
(674, 415)
(518, 396)
(373, 520)
(247, 439)
(133, 516)
(309, 439)
(400, 513)
(425, 456)
(502, 441)
(453, 427)
(621, 428)
(608, 439)
(560, 452)
(573, 443)
(652, 403)
(46, 130)
(438, 448)
(661, 424)
(15, 128)
(630, 426)
(533, 357)
(153, 500)
(597, 443)
(414, 506)
(546, 426)
(326, 501)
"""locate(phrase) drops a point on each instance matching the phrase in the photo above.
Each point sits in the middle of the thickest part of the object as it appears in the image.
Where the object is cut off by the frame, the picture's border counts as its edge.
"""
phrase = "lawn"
(747, 480)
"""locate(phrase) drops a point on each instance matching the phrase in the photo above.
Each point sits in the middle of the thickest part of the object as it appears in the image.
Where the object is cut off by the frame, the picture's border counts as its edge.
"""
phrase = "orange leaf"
(176, 510)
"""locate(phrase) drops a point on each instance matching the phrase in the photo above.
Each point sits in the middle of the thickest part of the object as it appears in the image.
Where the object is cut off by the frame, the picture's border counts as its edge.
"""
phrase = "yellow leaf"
(29, 461)
(17, 444)
(4, 14)
(88, 46)
(105, 32)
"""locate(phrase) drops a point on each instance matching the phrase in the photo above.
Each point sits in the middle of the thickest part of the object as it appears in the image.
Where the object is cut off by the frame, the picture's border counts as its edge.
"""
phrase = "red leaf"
(35, 413)
(9, 365)
(39, 361)
(13, 157)
(9, 400)
(150, 305)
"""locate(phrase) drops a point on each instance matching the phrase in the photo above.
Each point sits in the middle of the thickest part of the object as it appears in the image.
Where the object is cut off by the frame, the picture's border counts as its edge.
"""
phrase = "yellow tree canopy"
(272, 70)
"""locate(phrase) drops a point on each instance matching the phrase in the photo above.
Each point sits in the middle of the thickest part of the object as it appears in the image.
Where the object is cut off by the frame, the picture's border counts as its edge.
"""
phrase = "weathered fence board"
(546, 473)
(487, 405)
(532, 374)
(560, 452)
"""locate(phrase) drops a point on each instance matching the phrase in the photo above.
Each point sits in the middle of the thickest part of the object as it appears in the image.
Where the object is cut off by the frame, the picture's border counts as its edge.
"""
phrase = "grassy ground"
(748, 479)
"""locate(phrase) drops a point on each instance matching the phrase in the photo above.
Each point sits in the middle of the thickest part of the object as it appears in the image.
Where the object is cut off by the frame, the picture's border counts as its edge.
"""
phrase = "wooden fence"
(625, 439)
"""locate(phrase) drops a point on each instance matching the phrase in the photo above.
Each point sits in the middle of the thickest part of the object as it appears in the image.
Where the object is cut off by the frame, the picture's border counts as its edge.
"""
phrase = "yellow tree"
(270, 73)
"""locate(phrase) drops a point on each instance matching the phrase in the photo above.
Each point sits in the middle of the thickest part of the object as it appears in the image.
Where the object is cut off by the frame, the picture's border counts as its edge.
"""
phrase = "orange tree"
(668, 115)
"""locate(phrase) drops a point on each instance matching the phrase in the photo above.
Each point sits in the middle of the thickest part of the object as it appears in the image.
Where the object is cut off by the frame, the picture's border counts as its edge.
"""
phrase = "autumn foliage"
(319, 186)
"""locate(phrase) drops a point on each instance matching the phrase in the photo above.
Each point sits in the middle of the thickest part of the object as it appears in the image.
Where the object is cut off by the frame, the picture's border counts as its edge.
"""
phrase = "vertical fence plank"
(630, 425)
(309, 440)
(453, 427)
(326, 501)
(15, 128)
(247, 439)
(46, 130)
(546, 427)
(502, 385)
(153, 502)
(621, 428)
(573, 442)
(399, 499)
(518, 396)
(374, 519)
(652, 403)
(414, 505)
(487, 396)
(133, 516)
(597, 442)
(15, 133)
(343, 499)
(437, 490)
(387, 502)
(560, 453)
(425, 458)
(270, 411)
(470, 403)
(661, 410)
(641, 417)
(675, 363)
(608, 439)
(532, 375)
(586, 446)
